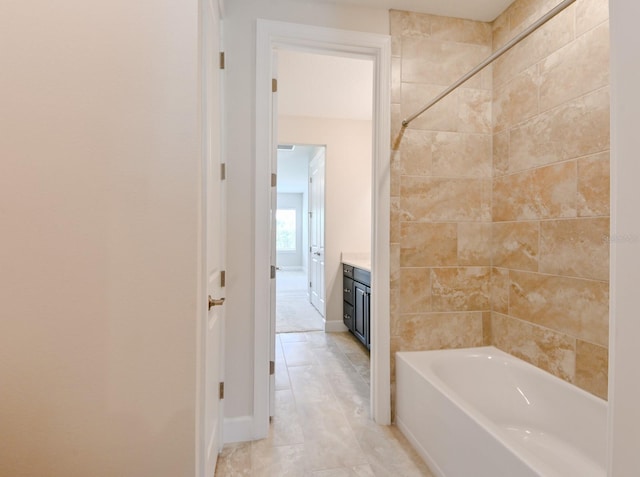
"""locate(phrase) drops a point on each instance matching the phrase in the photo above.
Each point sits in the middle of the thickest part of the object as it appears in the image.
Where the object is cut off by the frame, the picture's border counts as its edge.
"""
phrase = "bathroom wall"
(440, 184)
(550, 236)
(500, 193)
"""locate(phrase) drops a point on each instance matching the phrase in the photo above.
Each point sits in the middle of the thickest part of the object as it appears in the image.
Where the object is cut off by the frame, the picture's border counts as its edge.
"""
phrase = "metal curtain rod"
(497, 54)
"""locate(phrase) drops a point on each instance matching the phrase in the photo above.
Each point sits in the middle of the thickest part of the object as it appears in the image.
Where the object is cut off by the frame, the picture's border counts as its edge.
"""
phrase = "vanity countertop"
(358, 260)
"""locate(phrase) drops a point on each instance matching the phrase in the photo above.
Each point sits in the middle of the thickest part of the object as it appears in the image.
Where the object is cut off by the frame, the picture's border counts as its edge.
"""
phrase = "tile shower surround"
(500, 193)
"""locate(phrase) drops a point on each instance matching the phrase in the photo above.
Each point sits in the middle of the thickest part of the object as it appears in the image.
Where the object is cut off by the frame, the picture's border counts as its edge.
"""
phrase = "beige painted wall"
(99, 181)
(347, 192)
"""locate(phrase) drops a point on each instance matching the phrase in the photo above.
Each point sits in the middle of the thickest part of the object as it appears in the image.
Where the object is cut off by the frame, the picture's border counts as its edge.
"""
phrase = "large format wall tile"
(500, 290)
(427, 244)
(515, 245)
(575, 307)
(438, 199)
(474, 243)
(460, 289)
(415, 290)
(592, 365)
(544, 193)
(593, 185)
(461, 155)
(542, 347)
(575, 247)
(438, 331)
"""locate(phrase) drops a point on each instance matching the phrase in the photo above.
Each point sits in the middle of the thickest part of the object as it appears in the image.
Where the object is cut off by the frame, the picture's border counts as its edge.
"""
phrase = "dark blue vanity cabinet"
(356, 308)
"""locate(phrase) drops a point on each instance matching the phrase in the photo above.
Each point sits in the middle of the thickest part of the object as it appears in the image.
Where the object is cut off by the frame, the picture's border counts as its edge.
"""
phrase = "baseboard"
(238, 429)
(334, 326)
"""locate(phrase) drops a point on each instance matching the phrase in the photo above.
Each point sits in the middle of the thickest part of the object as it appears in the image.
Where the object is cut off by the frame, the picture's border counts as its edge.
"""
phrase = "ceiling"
(482, 10)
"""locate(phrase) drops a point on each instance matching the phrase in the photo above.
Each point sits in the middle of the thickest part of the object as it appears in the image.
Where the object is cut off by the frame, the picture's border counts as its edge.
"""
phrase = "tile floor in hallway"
(322, 425)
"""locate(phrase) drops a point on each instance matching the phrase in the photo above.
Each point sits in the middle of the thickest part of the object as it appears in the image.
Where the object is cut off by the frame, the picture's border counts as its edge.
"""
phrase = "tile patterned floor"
(322, 426)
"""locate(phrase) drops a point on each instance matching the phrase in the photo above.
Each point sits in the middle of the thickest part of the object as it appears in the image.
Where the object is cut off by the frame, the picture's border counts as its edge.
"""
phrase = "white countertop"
(360, 260)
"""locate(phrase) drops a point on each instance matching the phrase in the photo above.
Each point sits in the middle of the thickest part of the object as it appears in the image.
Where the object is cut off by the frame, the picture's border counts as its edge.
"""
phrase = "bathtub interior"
(554, 425)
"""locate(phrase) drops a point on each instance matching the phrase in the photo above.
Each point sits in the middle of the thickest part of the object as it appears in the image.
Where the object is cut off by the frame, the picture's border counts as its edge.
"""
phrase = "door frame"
(271, 35)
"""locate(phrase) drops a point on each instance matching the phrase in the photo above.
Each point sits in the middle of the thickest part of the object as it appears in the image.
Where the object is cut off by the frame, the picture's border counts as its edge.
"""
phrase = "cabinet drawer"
(347, 270)
(347, 315)
(347, 290)
(362, 276)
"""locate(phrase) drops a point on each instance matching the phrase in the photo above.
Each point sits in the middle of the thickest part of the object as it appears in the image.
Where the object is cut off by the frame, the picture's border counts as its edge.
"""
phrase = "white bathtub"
(479, 412)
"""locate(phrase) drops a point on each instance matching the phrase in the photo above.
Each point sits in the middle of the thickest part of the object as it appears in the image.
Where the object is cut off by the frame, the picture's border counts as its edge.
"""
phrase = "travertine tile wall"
(500, 193)
(550, 253)
(441, 185)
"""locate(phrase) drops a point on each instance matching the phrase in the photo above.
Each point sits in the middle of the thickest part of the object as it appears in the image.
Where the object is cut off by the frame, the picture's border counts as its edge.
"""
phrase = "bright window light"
(286, 230)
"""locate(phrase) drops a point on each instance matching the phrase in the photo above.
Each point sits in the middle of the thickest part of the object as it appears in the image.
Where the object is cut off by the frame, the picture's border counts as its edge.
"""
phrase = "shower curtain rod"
(497, 54)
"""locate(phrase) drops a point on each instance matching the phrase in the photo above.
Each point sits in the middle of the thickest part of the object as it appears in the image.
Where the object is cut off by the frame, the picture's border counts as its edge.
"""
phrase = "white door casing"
(213, 243)
(316, 232)
(271, 35)
(273, 201)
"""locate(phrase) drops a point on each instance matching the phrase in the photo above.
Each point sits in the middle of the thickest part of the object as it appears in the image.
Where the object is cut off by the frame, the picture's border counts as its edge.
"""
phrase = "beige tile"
(439, 331)
(416, 150)
(552, 351)
(388, 454)
(592, 367)
(460, 289)
(439, 199)
(500, 290)
(396, 81)
(574, 129)
(515, 245)
(396, 126)
(474, 110)
(415, 290)
(500, 30)
(474, 244)
(355, 471)
(443, 116)
(394, 220)
(590, 13)
(394, 265)
(573, 306)
(487, 337)
(575, 247)
(501, 153)
(462, 31)
(461, 155)
(550, 37)
(436, 62)
(547, 192)
(593, 185)
(283, 461)
(522, 13)
(234, 460)
(428, 244)
(579, 68)
(409, 24)
(516, 100)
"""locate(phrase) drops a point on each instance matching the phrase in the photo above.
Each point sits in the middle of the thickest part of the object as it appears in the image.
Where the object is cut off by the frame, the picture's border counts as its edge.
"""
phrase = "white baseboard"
(334, 326)
(237, 429)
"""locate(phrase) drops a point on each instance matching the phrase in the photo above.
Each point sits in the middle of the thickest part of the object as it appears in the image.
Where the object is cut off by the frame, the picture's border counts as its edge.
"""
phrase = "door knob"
(215, 302)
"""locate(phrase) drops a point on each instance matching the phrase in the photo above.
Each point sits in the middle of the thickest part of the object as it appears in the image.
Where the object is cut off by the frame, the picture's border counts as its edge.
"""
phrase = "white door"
(316, 231)
(215, 233)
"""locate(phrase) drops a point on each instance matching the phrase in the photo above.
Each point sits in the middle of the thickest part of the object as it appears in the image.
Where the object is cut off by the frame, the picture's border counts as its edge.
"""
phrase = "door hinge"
(273, 271)
(274, 180)
(310, 180)
(274, 85)
(310, 214)
(272, 367)
(223, 278)
(221, 390)
(222, 60)
(223, 171)
(310, 284)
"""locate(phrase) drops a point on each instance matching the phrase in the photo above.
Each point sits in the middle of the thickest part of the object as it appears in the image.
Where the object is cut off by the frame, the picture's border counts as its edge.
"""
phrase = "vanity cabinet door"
(360, 324)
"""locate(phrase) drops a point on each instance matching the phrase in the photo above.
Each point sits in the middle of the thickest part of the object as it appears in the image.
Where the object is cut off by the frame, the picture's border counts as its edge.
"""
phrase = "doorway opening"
(272, 37)
(297, 307)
